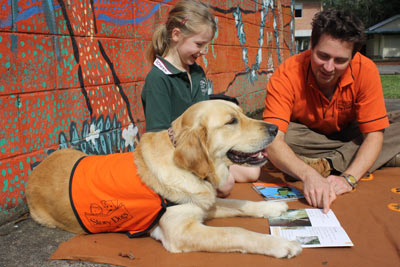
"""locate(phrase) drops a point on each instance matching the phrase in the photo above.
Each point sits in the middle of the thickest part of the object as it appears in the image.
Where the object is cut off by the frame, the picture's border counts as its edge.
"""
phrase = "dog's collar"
(171, 136)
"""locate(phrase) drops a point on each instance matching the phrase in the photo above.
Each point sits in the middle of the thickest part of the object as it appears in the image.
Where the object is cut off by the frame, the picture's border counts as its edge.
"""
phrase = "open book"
(270, 191)
(311, 227)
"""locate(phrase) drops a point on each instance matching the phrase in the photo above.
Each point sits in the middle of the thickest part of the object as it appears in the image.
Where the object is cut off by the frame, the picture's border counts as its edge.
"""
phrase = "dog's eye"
(232, 121)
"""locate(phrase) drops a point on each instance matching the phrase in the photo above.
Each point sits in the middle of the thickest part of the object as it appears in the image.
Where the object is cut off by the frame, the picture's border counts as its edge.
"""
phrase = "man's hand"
(339, 184)
(319, 192)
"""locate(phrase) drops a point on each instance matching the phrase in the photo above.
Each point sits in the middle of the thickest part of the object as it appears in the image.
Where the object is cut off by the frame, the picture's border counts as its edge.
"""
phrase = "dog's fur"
(210, 136)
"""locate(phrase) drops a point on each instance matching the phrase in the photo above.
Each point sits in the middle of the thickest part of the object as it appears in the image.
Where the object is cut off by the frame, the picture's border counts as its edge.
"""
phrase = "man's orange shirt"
(293, 95)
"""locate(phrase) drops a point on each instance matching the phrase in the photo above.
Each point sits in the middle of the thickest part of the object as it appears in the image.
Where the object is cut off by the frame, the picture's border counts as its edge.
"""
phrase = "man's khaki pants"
(342, 147)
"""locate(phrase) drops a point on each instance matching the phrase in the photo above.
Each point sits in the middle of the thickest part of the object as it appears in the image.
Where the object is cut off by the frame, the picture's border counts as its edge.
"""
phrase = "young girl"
(175, 81)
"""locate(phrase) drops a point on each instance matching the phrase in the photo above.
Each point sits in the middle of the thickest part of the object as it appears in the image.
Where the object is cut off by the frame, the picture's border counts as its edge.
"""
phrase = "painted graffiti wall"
(72, 71)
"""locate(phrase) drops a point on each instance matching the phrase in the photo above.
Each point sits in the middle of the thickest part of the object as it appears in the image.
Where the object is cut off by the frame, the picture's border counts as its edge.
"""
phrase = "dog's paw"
(284, 248)
(277, 208)
(271, 209)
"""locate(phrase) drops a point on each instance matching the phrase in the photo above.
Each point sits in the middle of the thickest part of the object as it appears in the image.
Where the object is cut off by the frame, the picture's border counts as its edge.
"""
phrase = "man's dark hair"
(339, 24)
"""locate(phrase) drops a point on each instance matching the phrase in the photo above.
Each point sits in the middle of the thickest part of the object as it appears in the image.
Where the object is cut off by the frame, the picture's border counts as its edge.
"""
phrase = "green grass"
(391, 86)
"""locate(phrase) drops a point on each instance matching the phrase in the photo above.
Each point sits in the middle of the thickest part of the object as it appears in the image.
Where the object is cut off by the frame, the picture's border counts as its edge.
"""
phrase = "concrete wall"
(71, 74)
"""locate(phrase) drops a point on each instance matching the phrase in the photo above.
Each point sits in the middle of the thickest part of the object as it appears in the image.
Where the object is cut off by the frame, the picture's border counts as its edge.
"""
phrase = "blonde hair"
(188, 16)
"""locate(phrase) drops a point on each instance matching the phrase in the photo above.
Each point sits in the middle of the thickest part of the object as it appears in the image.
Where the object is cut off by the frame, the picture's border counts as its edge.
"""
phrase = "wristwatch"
(350, 179)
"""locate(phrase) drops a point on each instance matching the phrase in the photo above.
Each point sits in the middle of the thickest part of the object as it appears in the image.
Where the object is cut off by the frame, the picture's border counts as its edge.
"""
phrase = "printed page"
(291, 218)
(304, 217)
(310, 227)
(314, 236)
(318, 218)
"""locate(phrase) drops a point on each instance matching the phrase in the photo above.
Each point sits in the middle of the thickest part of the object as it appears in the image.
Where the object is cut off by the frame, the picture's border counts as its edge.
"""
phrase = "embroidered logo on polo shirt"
(203, 86)
(159, 64)
(344, 105)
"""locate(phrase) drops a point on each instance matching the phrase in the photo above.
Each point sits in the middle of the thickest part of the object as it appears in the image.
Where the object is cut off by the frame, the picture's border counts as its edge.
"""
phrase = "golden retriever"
(184, 165)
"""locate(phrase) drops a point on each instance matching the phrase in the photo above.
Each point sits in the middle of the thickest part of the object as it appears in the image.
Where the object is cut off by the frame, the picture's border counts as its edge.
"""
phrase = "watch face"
(352, 179)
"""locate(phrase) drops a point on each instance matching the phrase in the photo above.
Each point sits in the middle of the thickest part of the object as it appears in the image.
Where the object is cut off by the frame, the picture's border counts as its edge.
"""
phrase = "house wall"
(384, 39)
(303, 24)
(373, 46)
(381, 46)
(310, 7)
(391, 47)
(71, 74)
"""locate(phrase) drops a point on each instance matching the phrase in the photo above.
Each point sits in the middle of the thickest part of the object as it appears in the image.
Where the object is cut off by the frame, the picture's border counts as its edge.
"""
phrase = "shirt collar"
(347, 77)
(167, 68)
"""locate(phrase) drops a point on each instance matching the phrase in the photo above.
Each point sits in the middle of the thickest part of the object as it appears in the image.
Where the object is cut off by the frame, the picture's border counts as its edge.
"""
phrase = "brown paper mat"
(365, 215)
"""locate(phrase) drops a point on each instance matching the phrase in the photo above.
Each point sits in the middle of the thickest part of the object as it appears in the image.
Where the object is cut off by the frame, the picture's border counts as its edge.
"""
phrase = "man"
(328, 104)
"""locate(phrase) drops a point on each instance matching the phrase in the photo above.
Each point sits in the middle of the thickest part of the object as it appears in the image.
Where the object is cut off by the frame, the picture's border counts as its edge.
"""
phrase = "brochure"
(311, 227)
(271, 191)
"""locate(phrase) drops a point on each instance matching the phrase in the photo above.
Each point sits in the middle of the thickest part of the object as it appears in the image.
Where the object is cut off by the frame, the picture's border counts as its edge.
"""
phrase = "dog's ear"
(191, 152)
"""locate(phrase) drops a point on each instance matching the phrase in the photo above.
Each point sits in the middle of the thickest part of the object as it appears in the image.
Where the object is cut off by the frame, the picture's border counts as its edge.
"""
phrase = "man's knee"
(294, 136)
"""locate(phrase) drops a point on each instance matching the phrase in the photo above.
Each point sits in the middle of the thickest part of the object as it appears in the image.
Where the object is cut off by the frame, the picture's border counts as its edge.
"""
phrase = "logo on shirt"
(107, 213)
(344, 105)
(203, 86)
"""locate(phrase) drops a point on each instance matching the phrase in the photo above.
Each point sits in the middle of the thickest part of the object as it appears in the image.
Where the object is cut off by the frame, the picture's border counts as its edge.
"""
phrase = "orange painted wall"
(71, 74)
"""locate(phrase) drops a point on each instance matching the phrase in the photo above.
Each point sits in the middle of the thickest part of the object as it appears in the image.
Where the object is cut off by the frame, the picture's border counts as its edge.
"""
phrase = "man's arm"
(317, 190)
(365, 158)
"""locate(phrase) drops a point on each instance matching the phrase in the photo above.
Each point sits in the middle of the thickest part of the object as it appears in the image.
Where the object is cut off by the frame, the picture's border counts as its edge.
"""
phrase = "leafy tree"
(370, 12)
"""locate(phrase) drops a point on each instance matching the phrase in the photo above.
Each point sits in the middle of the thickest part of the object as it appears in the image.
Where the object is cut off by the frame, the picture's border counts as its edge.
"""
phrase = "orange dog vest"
(107, 195)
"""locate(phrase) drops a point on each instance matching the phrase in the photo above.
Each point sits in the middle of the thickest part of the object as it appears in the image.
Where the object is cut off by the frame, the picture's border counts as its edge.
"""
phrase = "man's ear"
(191, 152)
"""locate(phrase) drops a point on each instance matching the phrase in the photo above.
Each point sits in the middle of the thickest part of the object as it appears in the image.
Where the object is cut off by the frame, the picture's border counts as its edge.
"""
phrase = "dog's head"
(212, 135)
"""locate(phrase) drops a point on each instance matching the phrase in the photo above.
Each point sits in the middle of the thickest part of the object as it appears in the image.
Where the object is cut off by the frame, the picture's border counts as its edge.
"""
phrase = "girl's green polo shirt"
(167, 94)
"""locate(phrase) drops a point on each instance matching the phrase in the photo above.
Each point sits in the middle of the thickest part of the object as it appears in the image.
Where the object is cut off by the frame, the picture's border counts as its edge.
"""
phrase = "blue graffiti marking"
(237, 14)
(135, 21)
(16, 17)
(100, 137)
(51, 23)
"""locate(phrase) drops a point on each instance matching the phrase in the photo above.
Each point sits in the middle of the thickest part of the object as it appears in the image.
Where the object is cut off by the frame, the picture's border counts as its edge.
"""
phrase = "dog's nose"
(272, 129)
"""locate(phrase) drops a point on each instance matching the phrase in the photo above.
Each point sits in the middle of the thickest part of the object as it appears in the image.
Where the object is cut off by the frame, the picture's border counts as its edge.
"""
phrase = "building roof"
(390, 25)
